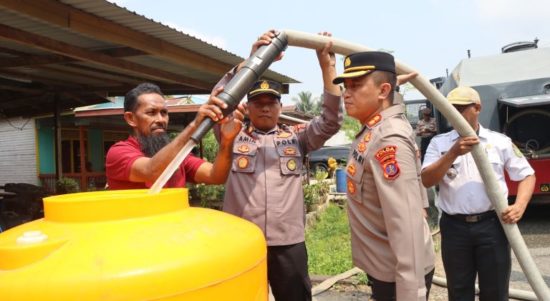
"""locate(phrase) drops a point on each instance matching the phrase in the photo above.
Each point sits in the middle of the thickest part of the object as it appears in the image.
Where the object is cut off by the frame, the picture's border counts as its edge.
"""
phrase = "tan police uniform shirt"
(265, 182)
(390, 238)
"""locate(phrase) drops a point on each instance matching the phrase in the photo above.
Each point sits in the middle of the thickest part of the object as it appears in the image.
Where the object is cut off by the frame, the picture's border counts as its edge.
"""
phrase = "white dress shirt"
(461, 190)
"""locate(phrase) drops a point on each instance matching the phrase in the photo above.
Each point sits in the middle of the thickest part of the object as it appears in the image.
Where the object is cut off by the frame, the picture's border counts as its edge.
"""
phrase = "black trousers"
(287, 272)
(478, 248)
(385, 291)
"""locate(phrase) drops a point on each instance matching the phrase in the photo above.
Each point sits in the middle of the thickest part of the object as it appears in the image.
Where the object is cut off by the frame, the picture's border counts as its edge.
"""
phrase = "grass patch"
(328, 243)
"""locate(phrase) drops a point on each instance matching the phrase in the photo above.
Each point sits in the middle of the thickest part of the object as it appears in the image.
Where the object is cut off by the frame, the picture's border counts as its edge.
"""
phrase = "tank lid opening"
(113, 205)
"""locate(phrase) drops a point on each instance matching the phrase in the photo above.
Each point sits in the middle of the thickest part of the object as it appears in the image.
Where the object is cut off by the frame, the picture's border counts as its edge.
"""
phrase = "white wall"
(18, 151)
(339, 138)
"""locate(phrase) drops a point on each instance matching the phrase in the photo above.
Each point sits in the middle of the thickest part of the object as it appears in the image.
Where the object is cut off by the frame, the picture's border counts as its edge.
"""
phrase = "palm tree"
(305, 102)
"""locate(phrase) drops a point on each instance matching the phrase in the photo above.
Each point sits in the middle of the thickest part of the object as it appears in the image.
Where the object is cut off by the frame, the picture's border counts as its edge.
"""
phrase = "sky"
(429, 35)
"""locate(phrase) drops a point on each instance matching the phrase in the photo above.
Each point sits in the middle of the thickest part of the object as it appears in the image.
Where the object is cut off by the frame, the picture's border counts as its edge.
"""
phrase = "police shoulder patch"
(387, 159)
(391, 170)
(386, 153)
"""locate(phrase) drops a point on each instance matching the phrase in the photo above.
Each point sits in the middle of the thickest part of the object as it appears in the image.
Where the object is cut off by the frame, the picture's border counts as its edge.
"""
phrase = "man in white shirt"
(472, 239)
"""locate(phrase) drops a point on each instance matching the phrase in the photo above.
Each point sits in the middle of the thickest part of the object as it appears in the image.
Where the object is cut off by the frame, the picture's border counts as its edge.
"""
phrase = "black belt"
(472, 218)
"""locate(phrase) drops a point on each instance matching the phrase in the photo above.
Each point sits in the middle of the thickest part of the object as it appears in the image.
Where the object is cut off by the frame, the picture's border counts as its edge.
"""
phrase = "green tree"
(209, 196)
(351, 127)
(209, 146)
(305, 102)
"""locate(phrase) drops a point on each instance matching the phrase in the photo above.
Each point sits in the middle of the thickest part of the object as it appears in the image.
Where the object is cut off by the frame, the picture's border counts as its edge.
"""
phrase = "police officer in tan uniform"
(265, 183)
(390, 237)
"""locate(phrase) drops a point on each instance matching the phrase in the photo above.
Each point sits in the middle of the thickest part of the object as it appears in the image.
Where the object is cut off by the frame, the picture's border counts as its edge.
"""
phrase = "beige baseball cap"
(463, 96)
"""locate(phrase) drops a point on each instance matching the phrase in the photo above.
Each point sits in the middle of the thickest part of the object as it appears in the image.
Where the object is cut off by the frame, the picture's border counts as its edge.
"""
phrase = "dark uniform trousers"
(473, 245)
(287, 272)
(385, 291)
(424, 142)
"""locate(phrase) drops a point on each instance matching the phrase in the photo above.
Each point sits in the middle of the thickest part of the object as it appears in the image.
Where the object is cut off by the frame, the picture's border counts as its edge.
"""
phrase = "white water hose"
(494, 192)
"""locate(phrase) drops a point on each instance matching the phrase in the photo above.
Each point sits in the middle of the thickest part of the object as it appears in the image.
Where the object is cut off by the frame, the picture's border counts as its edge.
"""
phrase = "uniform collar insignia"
(374, 121)
(367, 137)
(249, 129)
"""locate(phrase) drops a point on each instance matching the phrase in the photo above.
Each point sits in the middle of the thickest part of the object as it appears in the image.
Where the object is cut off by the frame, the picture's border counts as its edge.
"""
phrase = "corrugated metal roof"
(123, 16)
(77, 52)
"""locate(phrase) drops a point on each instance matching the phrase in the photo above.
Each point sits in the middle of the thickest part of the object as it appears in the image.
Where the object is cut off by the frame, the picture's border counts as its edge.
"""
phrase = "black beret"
(361, 63)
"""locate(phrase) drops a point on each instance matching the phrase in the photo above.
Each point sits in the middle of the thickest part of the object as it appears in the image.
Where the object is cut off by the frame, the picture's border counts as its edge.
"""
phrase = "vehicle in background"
(318, 158)
(515, 92)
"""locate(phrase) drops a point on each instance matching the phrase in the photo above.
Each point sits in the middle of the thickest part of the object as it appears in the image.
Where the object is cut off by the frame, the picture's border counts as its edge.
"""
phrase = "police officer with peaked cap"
(390, 237)
(265, 183)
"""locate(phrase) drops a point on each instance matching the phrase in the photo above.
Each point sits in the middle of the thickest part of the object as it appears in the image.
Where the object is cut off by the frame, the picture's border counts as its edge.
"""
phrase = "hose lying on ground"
(437, 280)
(513, 293)
(325, 285)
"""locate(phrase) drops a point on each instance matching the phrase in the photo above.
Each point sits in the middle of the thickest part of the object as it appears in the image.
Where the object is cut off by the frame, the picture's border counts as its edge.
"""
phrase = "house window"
(112, 137)
(70, 150)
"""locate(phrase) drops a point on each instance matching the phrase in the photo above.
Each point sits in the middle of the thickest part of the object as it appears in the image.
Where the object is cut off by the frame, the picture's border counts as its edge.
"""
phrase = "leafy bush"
(207, 195)
(66, 185)
(210, 146)
(316, 193)
(351, 127)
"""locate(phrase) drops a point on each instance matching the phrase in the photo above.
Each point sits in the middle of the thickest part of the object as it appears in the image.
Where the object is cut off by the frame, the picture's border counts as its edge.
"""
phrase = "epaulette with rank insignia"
(374, 121)
(249, 130)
